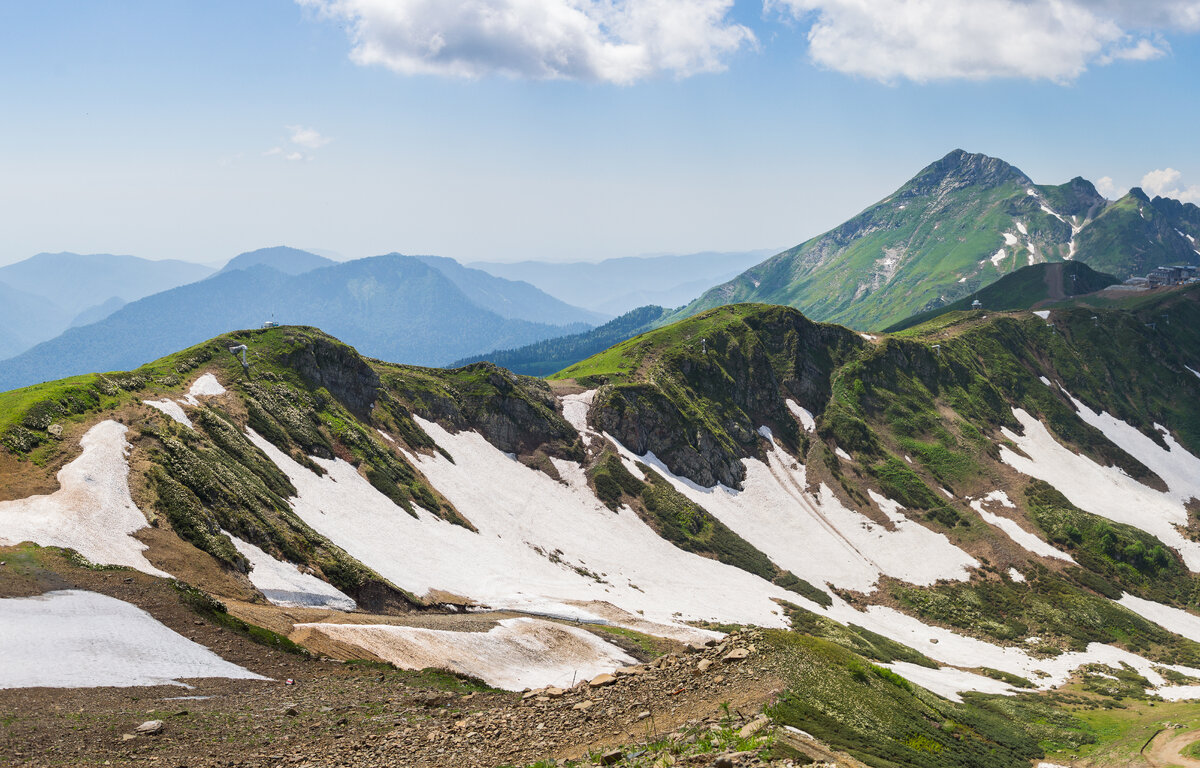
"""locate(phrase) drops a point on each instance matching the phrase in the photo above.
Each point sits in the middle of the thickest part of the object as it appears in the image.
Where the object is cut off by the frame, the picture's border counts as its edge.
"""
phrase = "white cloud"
(307, 137)
(924, 40)
(1106, 187)
(616, 41)
(1164, 182)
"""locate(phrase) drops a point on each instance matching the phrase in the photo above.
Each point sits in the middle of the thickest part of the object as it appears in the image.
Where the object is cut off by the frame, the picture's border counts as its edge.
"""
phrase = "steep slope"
(290, 261)
(959, 225)
(513, 299)
(543, 358)
(1027, 288)
(392, 307)
(616, 286)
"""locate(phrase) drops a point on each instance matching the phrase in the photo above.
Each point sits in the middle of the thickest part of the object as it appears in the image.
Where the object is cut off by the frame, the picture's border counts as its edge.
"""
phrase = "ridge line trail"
(1166, 749)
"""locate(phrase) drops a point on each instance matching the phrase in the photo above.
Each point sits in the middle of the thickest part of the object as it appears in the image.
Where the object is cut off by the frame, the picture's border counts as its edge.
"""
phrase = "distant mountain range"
(45, 294)
(959, 225)
(290, 261)
(615, 286)
(394, 307)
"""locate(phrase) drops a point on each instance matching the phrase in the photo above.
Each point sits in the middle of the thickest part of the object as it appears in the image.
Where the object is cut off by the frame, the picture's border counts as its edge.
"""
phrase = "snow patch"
(1045, 381)
(385, 436)
(1024, 538)
(205, 386)
(1021, 228)
(575, 409)
(79, 639)
(1010, 238)
(842, 454)
(516, 654)
(170, 408)
(91, 512)
(999, 256)
(948, 682)
(1016, 575)
(1042, 313)
(1171, 619)
(867, 336)
(282, 583)
(1046, 209)
(1104, 491)
(805, 416)
(540, 542)
(1193, 370)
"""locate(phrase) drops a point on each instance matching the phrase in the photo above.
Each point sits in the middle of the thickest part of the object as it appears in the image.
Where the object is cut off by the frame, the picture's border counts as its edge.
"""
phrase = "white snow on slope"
(78, 639)
(1010, 238)
(1016, 575)
(519, 653)
(1021, 228)
(804, 415)
(999, 256)
(170, 408)
(517, 509)
(1032, 258)
(1104, 491)
(1193, 370)
(575, 408)
(1042, 313)
(283, 584)
(1171, 619)
(205, 386)
(91, 512)
(1015, 532)
(1047, 210)
(817, 538)
(1045, 381)
(948, 681)
(1179, 469)
(842, 454)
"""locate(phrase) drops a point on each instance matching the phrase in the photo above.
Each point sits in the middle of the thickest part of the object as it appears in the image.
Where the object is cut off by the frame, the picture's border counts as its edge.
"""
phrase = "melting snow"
(385, 436)
(816, 537)
(1193, 370)
(1046, 209)
(1015, 532)
(205, 386)
(283, 584)
(1045, 381)
(78, 639)
(1042, 313)
(540, 541)
(867, 336)
(999, 257)
(1021, 228)
(575, 409)
(805, 416)
(1105, 491)
(1171, 619)
(519, 653)
(1010, 238)
(91, 512)
(171, 408)
(948, 681)
(842, 454)
(1016, 575)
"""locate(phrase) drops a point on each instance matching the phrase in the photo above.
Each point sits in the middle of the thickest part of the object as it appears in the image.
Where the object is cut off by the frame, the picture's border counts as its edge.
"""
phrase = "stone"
(151, 727)
(128, 736)
(737, 654)
(291, 712)
(584, 705)
(602, 680)
(611, 757)
(555, 693)
(704, 665)
(643, 714)
(724, 761)
(753, 727)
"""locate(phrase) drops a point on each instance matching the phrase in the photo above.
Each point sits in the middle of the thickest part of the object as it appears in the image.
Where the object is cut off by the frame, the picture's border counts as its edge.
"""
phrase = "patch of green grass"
(214, 610)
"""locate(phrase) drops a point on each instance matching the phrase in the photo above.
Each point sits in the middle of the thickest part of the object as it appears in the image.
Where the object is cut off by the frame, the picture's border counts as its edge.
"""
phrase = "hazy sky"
(559, 129)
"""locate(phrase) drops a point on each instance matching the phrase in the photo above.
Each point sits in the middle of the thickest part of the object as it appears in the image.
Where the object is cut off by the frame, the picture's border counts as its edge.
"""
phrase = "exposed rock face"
(517, 414)
(323, 362)
(700, 413)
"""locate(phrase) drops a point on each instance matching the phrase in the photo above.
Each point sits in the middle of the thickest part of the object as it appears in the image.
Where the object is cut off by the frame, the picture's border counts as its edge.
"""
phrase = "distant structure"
(270, 324)
(241, 348)
(1163, 277)
(977, 304)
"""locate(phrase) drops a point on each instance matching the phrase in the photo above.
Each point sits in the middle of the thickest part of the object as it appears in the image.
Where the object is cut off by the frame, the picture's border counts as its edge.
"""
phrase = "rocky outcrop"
(324, 362)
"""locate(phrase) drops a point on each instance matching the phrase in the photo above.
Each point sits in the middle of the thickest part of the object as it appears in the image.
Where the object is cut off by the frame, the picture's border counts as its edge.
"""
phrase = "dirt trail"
(1166, 749)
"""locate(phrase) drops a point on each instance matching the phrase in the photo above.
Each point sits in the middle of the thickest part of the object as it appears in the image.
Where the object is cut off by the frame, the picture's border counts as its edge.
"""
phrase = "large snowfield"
(92, 511)
(78, 639)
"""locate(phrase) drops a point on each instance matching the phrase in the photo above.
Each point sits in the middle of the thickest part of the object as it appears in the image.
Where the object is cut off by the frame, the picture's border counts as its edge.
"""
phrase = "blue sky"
(198, 130)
